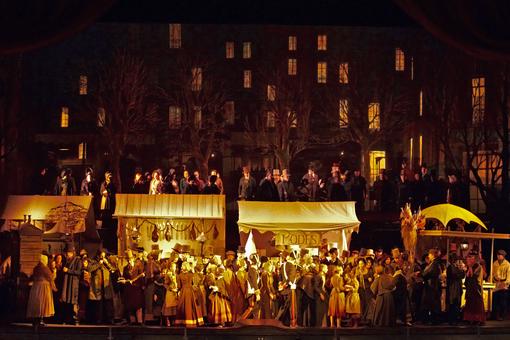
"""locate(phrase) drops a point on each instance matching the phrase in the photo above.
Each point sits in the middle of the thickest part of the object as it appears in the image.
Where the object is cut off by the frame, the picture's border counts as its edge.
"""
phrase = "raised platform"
(492, 330)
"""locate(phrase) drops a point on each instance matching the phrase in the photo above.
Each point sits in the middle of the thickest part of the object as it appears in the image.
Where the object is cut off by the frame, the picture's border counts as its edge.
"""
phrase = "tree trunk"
(365, 162)
(116, 170)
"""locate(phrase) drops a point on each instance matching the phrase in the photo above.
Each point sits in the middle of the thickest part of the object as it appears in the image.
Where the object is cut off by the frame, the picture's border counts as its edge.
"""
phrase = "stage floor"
(491, 330)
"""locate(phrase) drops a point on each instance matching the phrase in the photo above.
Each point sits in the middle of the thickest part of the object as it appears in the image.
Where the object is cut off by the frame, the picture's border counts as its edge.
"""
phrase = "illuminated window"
(421, 103)
(411, 144)
(322, 72)
(292, 119)
(83, 85)
(229, 49)
(374, 119)
(343, 72)
(196, 79)
(343, 113)
(322, 42)
(271, 93)
(247, 79)
(399, 59)
(198, 117)
(292, 43)
(174, 117)
(377, 163)
(421, 149)
(271, 119)
(64, 117)
(488, 167)
(101, 117)
(82, 151)
(230, 112)
(478, 99)
(175, 35)
(246, 50)
(292, 67)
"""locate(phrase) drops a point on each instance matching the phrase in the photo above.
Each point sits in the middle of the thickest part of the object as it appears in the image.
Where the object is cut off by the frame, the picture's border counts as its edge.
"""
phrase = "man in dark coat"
(247, 186)
(267, 189)
(286, 188)
(101, 289)
(455, 273)
(65, 184)
(431, 299)
(108, 191)
(70, 288)
(288, 279)
(383, 193)
(382, 288)
(358, 190)
(212, 188)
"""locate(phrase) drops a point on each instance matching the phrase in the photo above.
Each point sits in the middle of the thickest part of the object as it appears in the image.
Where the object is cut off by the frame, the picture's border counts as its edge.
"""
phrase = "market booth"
(459, 231)
(307, 224)
(162, 221)
(47, 223)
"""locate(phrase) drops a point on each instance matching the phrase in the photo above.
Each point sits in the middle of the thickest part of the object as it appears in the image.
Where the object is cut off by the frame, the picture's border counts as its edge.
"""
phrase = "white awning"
(170, 206)
(297, 216)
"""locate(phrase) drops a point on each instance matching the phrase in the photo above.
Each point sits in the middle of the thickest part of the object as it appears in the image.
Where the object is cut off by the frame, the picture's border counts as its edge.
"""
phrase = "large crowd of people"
(179, 288)
(420, 188)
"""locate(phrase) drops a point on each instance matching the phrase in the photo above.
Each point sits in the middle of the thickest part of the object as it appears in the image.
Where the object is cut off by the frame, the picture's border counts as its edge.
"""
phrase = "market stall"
(456, 230)
(162, 221)
(307, 224)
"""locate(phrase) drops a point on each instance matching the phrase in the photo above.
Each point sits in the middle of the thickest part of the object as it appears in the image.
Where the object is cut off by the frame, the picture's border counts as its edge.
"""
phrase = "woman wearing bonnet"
(40, 301)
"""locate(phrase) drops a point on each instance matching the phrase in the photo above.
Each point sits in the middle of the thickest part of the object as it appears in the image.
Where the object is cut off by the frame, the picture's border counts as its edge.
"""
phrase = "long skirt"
(353, 304)
(474, 309)
(132, 298)
(220, 309)
(40, 301)
(336, 304)
(321, 310)
(188, 312)
(384, 313)
(170, 304)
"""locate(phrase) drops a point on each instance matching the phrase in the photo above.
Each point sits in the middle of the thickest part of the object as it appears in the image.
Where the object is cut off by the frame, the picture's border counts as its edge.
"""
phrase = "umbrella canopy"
(447, 212)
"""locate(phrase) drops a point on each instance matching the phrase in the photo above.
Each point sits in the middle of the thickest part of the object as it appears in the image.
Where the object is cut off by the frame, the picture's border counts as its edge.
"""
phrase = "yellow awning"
(170, 206)
(444, 213)
(296, 216)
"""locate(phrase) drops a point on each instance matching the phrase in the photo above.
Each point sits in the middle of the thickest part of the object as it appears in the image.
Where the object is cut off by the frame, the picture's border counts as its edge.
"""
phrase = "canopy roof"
(170, 206)
(57, 214)
(296, 216)
(447, 212)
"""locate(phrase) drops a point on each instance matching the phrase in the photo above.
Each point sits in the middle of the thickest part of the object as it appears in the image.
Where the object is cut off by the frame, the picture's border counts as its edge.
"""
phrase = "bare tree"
(371, 106)
(127, 96)
(201, 96)
(282, 127)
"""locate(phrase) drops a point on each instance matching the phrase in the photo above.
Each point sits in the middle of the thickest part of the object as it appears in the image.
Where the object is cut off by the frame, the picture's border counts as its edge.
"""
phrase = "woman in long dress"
(188, 311)
(220, 305)
(336, 308)
(352, 298)
(382, 287)
(40, 300)
(169, 309)
(474, 310)
(235, 292)
(267, 291)
(132, 294)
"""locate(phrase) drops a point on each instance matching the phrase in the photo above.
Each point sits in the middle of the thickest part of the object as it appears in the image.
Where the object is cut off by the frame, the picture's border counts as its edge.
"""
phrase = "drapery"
(480, 28)
(29, 25)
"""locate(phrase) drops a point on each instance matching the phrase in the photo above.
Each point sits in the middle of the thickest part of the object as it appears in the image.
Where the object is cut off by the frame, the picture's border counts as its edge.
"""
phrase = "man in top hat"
(267, 190)
(72, 273)
(253, 291)
(431, 301)
(100, 308)
(286, 188)
(247, 186)
(287, 287)
(152, 270)
(501, 278)
(108, 191)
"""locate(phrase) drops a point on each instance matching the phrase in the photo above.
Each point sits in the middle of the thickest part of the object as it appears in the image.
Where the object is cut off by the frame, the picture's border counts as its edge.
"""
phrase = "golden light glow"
(175, 35)
(229, 49)
(101, 117)
(292, 67)
(83, 85)
(322, 69)
(64, 117)
(174, 117)
(322, 42)
(271, 93)
(374, 121)
(196, 78)
(292, 43)
(411, 152)
(343, 72)
(343, 113)
(478, 99)
(246, 50)
(377, 163)
(421, 149)
(421, 103)
(82, 150)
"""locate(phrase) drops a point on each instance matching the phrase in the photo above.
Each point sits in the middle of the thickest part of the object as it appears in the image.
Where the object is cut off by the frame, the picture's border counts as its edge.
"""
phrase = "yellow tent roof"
(294, 216)
(170, 206)
(447, 212)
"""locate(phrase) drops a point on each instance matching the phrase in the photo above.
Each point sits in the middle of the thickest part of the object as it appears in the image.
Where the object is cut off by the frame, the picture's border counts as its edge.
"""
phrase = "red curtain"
(480, 28)
(30, 24)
